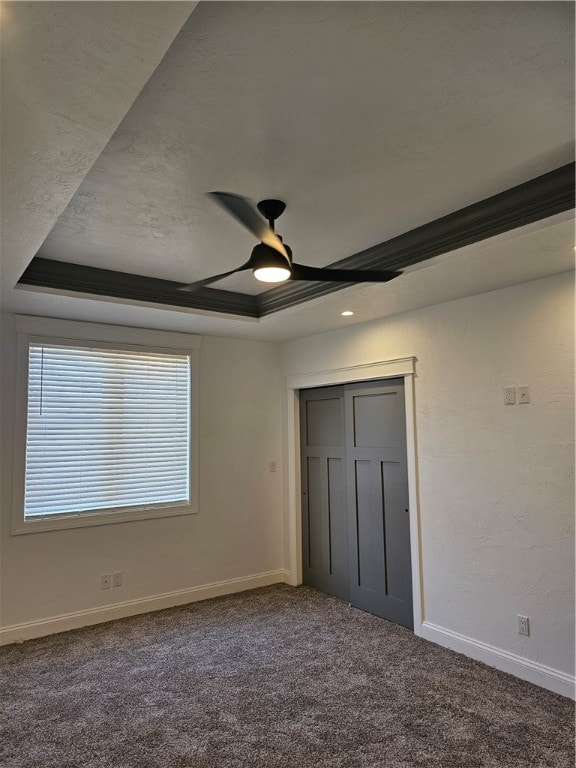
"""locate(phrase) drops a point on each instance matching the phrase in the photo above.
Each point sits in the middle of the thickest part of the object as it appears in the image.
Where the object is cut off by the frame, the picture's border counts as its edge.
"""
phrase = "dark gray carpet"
(274, 678)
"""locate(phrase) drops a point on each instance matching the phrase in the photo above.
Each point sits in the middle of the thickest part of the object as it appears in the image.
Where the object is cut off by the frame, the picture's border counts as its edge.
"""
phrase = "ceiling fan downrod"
(271, 210)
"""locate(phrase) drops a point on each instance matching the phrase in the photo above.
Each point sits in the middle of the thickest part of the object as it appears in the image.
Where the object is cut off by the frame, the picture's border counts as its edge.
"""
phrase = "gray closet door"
(379, 532)
(324, 520)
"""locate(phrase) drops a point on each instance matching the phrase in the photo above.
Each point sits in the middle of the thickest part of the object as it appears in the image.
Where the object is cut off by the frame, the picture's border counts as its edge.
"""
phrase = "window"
(107, 433)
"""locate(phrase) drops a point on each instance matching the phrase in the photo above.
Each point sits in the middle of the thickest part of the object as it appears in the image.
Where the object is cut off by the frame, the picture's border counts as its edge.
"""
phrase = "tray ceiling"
(368, 119)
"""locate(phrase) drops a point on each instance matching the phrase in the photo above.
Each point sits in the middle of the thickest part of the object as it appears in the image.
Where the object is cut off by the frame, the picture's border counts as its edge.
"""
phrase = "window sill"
(63, 522)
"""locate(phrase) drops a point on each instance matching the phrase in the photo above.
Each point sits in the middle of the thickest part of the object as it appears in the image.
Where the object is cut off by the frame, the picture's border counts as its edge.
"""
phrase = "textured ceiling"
(70, 72)
(368, 119)
(527, 253)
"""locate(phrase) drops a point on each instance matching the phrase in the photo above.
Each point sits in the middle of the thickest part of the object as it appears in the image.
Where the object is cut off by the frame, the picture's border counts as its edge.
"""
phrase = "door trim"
(383, 369)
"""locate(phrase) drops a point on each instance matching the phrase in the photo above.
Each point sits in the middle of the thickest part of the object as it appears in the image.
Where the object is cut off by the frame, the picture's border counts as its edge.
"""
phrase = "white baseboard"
(291, 579)
(525, 669)
(17, 633)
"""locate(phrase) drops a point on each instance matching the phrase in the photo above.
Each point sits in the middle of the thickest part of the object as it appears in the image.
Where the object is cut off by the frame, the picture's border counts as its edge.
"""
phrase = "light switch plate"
(509, 395)
(523, 394)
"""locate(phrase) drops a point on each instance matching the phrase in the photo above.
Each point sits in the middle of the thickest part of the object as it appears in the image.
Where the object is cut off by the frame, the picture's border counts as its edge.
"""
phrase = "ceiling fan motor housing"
(264, 256)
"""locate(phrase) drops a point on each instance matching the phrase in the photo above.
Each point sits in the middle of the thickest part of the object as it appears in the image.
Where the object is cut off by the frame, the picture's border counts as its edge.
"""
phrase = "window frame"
(34, 330)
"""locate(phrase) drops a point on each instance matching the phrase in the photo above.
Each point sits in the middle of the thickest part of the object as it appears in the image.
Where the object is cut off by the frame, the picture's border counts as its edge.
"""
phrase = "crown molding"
(524, 204)
(78, 278)
(534, 200)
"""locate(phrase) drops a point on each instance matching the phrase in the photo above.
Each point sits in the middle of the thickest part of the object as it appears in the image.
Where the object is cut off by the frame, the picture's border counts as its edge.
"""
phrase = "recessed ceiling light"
(347, 313)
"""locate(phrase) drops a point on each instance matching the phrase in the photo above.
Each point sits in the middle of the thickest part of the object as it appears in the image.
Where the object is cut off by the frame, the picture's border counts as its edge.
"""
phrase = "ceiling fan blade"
(207, 280)
(244, 212)
(301, 272)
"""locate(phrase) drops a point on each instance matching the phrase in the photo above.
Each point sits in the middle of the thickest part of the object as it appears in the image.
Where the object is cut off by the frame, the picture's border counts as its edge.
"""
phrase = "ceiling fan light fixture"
(269, 266)
(272, 274)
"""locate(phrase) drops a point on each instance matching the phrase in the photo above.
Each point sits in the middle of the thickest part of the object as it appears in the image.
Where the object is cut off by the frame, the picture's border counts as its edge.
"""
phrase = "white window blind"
(107, 429)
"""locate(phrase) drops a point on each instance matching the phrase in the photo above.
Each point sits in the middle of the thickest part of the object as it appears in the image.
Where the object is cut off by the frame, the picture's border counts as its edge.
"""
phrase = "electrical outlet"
(509, 395)
(272, 466)
(105, 581)
(524, 625)
(117, 579)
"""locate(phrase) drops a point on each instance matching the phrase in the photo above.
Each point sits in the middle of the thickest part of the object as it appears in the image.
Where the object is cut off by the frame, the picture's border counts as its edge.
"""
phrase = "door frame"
(404, 367)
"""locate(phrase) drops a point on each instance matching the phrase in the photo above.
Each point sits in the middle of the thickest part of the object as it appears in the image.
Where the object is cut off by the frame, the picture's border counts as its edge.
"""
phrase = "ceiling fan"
(271, 260)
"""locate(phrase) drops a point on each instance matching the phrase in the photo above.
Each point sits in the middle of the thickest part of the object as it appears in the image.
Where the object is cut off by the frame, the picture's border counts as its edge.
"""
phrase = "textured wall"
(236, 533)
(496, 482)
